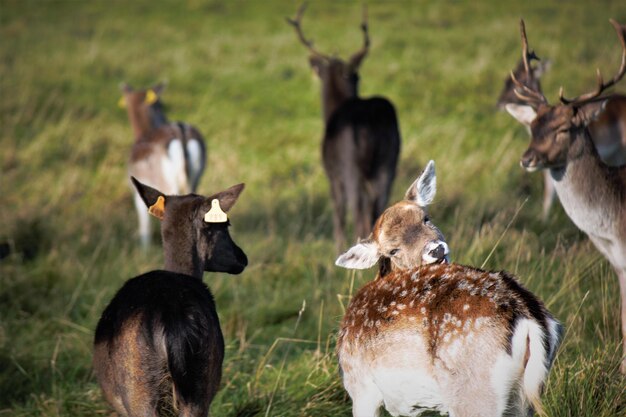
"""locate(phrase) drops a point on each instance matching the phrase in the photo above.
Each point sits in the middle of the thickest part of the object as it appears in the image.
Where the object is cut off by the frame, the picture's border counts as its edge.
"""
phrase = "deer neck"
(182, 257)
(144, 121)
(332, 98)
(585, 190)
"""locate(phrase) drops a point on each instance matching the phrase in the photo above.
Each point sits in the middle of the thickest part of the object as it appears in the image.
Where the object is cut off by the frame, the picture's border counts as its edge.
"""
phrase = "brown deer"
(361, 141)
(427, 335)
(592, 193)
(608, 131)
(167, 156)
(158, 343)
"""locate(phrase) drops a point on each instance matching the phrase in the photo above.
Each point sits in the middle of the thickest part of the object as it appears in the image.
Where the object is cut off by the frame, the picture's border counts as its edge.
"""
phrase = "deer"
(158, 344)
(361, 141)
(592, 193)
(608, 131)
(427, 335)
(169, 156)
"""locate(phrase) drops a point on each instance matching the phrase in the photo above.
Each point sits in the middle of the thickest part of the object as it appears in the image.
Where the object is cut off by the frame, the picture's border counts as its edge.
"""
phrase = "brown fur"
(440, 299)
(403, 226)
(126, 382)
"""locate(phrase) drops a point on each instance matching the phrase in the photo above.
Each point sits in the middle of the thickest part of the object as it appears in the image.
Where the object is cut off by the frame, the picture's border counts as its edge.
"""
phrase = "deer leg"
(548, 194)
(193, 410)
(339, 214)
(381, 195)
(621, 275)
(144, 220)
(363, 215)
(366, 402)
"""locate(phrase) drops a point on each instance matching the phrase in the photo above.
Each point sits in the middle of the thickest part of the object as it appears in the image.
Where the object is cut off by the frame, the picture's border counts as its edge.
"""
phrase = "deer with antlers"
(429, 336)
(592, 193)
(166, 155)
(361, 141)
(608, 131)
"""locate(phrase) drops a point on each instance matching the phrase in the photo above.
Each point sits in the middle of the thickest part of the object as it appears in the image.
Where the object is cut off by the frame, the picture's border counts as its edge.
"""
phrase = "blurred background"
(236, 70)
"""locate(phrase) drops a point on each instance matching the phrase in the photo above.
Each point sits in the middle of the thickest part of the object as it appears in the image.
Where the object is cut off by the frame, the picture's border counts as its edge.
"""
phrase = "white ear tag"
(215, 215)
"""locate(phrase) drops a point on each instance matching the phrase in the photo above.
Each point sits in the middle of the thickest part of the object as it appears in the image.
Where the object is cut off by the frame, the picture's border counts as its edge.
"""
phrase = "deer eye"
(393, 252)
(426, 219)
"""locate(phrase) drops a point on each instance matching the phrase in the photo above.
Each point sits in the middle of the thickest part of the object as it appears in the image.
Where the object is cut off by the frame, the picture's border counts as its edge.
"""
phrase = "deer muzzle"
(436, 251)
(529, 161)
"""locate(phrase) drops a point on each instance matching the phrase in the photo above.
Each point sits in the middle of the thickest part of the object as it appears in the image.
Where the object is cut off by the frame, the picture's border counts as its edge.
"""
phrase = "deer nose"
(528, 161)
(436, 251)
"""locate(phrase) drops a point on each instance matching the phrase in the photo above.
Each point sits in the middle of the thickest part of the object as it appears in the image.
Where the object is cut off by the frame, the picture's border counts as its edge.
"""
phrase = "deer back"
(444, 301)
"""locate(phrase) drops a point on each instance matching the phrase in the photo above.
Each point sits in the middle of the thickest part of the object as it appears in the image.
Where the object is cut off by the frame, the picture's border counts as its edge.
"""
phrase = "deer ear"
(226, 198)
(363, 255)
(541, 68)
(154, 199)
(125, 88)
(589, 112)
(316, 63)
(159, 88)
(524, 114)
(151, 97)
(423, 190)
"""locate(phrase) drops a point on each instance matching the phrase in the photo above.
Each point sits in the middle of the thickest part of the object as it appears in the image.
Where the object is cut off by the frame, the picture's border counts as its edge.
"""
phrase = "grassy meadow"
(236, 70)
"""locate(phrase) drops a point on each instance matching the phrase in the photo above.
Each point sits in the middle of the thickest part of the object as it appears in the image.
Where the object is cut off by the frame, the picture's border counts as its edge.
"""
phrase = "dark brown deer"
(361, 141)
(158, 343)
(608, 131)
(167, 156)
(426, 335)
(592, 193)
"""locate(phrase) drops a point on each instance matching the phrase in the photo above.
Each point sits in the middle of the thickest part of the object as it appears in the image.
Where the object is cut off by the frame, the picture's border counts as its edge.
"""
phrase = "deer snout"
(529, 161)
(435, 252)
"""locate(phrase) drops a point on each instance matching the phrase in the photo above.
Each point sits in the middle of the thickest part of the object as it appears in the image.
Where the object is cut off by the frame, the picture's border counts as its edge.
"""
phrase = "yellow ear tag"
(122, 102)
(215, 215)
(158, 208)
(151, 97)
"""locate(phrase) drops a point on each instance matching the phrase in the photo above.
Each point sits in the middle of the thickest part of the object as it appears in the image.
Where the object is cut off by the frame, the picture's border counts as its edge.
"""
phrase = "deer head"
(340, 79)
(558, 131)
(144, 107)
(530, 79)
(195, 230)
(403, 236)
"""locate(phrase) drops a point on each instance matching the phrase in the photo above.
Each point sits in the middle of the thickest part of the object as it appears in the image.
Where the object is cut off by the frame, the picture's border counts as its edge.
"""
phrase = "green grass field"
(236, 70)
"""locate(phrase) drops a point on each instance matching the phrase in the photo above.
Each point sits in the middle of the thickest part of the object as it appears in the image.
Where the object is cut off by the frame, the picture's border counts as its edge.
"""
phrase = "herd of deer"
(426, 334)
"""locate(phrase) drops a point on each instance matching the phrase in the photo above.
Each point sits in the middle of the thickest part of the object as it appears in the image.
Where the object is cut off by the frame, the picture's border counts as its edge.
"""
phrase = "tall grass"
(236, 70)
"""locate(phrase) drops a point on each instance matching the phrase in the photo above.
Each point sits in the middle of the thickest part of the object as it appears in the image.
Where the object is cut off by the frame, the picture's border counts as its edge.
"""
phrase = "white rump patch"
(177, 171)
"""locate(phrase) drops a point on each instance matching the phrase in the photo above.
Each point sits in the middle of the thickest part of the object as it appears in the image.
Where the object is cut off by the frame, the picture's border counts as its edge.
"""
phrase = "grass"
(236, 70)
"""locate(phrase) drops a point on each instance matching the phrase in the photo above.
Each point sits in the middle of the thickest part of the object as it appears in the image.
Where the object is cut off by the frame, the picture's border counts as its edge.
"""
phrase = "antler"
(523, 91)
(356, 59)
(296, 24)
(621, 33)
